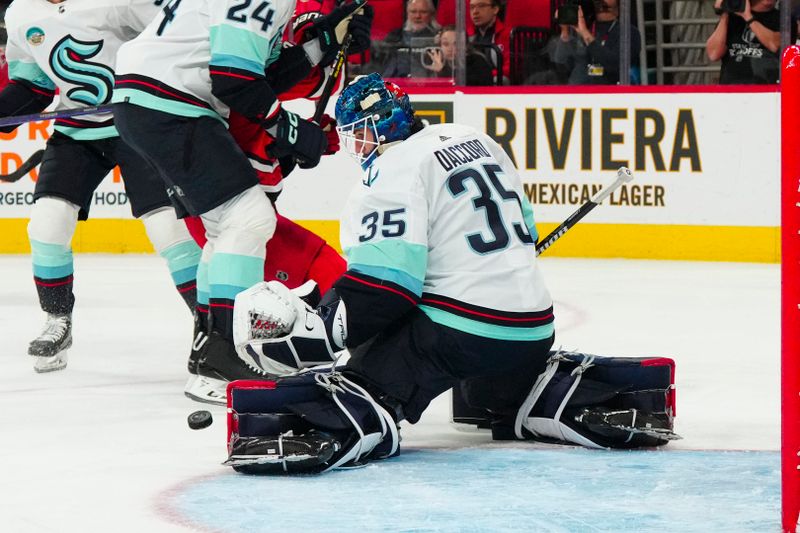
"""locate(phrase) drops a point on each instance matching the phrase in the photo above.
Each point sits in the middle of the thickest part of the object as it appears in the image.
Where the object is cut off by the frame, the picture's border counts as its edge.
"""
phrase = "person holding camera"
(439, 60)
(399, 48)
(589, 50)
(747, 39)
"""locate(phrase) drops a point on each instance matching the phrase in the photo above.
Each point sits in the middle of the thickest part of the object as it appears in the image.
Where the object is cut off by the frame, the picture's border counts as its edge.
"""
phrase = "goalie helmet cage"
(790, 288)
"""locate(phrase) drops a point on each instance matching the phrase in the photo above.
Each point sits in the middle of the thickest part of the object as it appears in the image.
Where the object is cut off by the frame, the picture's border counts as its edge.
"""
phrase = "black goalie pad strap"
(257, 424)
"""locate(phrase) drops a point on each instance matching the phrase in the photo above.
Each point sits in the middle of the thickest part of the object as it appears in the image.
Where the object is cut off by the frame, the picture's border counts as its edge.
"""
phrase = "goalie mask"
(372, 114)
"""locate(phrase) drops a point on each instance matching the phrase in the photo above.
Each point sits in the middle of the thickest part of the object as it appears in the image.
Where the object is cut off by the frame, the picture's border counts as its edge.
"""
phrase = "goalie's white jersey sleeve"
(73, 46)
(444, 215)
(167, 67)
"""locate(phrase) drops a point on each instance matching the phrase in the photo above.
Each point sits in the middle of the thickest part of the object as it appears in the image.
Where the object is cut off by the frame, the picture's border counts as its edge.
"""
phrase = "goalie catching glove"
(277, 332)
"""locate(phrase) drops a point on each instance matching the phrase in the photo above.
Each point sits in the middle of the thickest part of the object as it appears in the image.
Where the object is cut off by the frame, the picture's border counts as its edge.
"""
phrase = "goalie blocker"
(594, 401)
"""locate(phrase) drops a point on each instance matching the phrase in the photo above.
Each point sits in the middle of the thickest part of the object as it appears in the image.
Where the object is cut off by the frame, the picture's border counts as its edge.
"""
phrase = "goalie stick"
(24, 168)
(624, 175)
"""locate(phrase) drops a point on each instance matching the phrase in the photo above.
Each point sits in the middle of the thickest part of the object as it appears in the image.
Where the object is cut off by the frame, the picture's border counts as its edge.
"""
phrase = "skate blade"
(50, 364)
(208, 390)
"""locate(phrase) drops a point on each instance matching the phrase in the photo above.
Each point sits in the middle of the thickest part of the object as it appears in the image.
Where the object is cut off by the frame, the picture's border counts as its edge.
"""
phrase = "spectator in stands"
(488, 29)
(440, 60)
(747, 41)
(591, 56)
(404, 45)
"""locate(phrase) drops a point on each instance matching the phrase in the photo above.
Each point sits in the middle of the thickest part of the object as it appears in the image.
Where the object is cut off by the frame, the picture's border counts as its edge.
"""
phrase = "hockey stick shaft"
(624, 175)
(24, 168)
(50, 115)
(330, 83)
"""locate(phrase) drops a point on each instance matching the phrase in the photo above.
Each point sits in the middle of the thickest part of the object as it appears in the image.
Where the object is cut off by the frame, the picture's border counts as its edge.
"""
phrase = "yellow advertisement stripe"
(669, 242)
(629, 241)
(120, 236)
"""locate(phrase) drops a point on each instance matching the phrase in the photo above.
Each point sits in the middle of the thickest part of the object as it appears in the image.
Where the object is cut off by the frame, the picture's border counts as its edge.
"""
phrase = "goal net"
(790, 287)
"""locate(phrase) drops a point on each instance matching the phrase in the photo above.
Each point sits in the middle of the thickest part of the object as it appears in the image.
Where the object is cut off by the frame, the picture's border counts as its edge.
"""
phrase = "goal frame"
(790, 288)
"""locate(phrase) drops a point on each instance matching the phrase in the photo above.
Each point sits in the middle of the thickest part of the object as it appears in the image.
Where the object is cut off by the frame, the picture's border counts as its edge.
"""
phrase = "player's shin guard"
(601, 402)
(309, 423)
(172, 241)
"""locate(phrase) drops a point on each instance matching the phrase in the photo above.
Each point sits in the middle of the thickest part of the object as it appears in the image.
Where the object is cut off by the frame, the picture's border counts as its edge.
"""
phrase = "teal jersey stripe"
(184, 275)
(393, 254)
(230, 42)
(164, 105)
(235, 270)
(182, 256)
(52, 272)
(527, 214)
(220, 60)
(225, 291)
(20, 70)
(88, 134)
(483, 329)
(202, 283)
(50, 255)
(389, 274)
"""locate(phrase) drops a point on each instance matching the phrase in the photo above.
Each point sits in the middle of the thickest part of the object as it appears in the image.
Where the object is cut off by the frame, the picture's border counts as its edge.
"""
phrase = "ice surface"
(499, 489)
(104, 445)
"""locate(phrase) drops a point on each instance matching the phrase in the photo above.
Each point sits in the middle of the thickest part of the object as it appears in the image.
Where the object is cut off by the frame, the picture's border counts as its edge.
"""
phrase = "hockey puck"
(199, 420)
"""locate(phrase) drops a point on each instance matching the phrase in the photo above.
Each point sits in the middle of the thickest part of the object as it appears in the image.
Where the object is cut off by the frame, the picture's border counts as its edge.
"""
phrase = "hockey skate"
(50, 347)
(199, 339)
(218, 364)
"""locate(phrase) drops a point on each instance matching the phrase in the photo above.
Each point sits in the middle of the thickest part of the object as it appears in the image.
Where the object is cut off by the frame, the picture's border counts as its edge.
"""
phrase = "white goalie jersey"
(444, 215)
(73, 46)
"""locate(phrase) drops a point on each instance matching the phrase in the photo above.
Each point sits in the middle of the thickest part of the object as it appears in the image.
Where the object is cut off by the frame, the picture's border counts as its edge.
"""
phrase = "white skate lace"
(55, 328)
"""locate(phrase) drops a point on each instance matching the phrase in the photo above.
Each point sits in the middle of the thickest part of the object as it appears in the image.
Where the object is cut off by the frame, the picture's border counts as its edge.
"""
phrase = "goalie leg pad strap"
(601, 402)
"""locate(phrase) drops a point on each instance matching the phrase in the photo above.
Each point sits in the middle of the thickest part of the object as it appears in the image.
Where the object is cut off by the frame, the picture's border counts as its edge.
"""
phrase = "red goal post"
(790, 288)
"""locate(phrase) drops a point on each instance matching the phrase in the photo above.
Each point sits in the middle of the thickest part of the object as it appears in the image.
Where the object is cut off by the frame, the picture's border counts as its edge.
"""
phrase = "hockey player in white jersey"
(71, 46)
(176, 85)
(442, 289)
(442, 286)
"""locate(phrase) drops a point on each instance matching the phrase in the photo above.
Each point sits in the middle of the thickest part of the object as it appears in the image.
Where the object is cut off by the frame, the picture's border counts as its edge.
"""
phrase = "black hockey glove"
(361, 29)
(331, 30)
(303, 140)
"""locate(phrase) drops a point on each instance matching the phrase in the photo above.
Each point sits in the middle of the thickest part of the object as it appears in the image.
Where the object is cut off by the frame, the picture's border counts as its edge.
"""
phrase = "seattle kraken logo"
(372, 175)
(69, 61)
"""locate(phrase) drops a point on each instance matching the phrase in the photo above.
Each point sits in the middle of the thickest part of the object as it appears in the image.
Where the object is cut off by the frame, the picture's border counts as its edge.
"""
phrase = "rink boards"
(706, 166)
